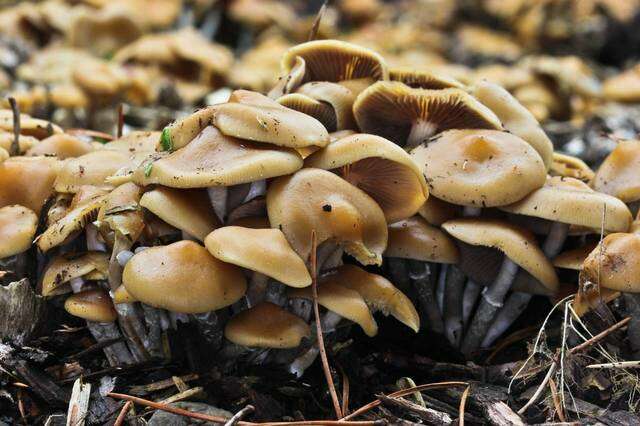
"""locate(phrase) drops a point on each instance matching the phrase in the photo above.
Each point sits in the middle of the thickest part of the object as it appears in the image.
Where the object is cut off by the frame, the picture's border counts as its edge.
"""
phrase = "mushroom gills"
(421, 131)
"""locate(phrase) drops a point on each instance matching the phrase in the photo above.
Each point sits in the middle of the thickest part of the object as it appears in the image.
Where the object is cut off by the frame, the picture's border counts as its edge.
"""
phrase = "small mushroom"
(415, 239)
(569, 166)
(17, 228)
(614, 263)
(618, 173)
(61, 146)
(309, 106)
(91, 305)
(64, 268)
(90, 169)
(27, 181)
(423, 79)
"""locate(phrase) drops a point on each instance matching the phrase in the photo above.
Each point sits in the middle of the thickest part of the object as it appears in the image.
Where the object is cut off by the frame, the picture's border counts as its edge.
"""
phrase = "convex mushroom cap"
(480, 168)
(183, 277)
(618, 175)
(64, 268)
(17, 228)
(516, 243)
(61, 146)
(27, 181)
(317, 200)
(90, 169)
(624, 87)
(266, 326)
(378, 167)
(262, 250)
(573, 258)
(570, 166)
(92, 305)
(414, 238)
(615, 263)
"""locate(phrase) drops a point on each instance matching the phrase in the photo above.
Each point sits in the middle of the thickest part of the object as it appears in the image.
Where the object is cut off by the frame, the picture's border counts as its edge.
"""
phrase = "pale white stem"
(440, 289)
(218, 199)
(123, 257)
(329, 323)
(257, 189)
(469, 299)
(420, 133)
(93, 242)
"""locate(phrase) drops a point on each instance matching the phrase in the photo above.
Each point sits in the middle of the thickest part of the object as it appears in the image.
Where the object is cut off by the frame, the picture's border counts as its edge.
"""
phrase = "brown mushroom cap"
(121, 211)
(266, 326)
(27, 181)
(379, 293)
(436, 212)
(92, 305)
(343, 301)
(17, 228)
(378, 167)
(213, 159)
(319, 110)
(134, 142)
(618, 174)
(29, 126)
(420, 79)
(315, 199)
(516, 243)
(573, 258)
(121, 295)
(515, 118)
(480, 168)
(61, 146)
(572, 202)
(335, 61)
(90, 169)
(183, 277)
(615, 263)
(570, 166)
(339, 97)
(624, 87)
(25, 143)
(414, 238)
(64, 268)
(187, 210)
(391, 109)
(262, 250)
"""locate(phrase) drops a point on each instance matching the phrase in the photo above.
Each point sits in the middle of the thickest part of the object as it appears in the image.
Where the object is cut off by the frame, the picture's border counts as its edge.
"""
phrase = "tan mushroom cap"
(378, 167)
(335, 61)
(262, 250)
(585, 301)
(390, 109)
(27, 181)
(624, 87)
(480, 168)
(92, 305)
(134, 142)
(213, 159)
(615, 263)
(343, 301)
(25, 143)
(67, 95)
(414, 238)
(121, 295)
(266, 326)
(319, 110)
(570, 166)
(121, 211)
(567, 70)
(618, 173)
(436, 212)
(338, 96)
(515, 118)
(571, 201)
(573, 258)
(379, 293)
(315, 199)
(420, 79)
(90, 169)
(17, 228)
(183, 277)
(516, 243)
(61, 146)
(3, 154)
(64, 268)
(29, 126)
(187, 210)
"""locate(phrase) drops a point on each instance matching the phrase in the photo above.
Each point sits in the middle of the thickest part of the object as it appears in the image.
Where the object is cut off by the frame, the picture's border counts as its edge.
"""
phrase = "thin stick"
(123, 413)
(463, 403)
(620, 364)
(556, 400)
(233, 421)
(600, 336)
(217, 419)
(320, 337)
(345, 392)
(313, 34)
(120, 120)
(373, 404)
(15, 144)
(538, 391)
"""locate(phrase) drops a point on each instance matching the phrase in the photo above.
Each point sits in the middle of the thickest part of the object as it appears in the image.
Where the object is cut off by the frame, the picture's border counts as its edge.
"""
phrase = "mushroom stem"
(256, 289)
(93, 243)
(218, 199)
(398, 272)
(469, 299)
(423, 281)
(454, 287)
(329, 323)
(153, 338)
(257, 189)
(440, 287)
(210, 328)
(517, 302)
(471, 211)
(420, 132)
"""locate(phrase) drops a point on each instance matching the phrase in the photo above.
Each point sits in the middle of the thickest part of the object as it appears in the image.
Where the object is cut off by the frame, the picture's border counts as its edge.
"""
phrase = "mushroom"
(623, 87)
(618, 173)
(182, 277)
(66, 267)
(27, 181)
(614, 263)
(436, 212)
(574, 258)
(91, 305)
(315, 200)
(17, 228)
(520, 249)
(61, 146)
(409, 116)
(378, 167)
(337, 96)
(29, 126)
(309, 106)
(570, 166)
(90, 169)
(420, 79)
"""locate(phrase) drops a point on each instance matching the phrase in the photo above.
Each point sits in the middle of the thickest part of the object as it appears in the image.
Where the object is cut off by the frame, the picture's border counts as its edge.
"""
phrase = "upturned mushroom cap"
(571, 201)
(339, 97)
(420, 79)
(64, 268)
(414, 238)
(615, 263)
(335, 61)
(187, 210)
(262, 250)
(618, 174)
(213, 159)
(29, 126)
(390, 109)
(379, 293)
(90, 169)
(121, 211)
(183, 277)
(515, 118)
(436, 212)
(378, 167)
(61, 146)
(319, 110)
(570, 166)
(17, 228)
(573, 258)
(343, 301)
(624, 87)
(27, 181)
(480, 168)
(315, 199)
(92, 305)
(516, 243)
(266, 326)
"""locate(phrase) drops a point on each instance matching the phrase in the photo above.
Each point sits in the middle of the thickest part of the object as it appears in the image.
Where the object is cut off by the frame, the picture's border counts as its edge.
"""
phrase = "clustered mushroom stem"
(492, 299)
(420, 133)
(453, 305)
(440, 287)
(257, 189)
(93, 243)
(517, 302)
(329, 321)
(469, 299)
(423, 282)
(256, 290)
(218, 198)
